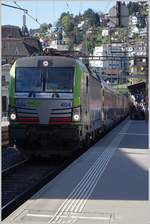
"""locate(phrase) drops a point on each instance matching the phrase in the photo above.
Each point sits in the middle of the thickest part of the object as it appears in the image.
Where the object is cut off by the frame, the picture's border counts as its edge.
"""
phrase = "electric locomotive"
(58, 105)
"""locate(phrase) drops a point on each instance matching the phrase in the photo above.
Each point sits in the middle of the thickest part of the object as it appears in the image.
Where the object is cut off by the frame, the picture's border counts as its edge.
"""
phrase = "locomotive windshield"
(44, 80)
(59, 79)
(29, 79)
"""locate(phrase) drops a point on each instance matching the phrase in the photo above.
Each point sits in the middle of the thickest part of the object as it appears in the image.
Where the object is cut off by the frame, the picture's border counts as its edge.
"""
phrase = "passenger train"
(58, 105)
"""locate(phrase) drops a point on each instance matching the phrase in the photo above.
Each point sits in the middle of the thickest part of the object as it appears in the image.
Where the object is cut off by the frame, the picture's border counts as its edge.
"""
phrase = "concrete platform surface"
(107, 185)
(4, 123)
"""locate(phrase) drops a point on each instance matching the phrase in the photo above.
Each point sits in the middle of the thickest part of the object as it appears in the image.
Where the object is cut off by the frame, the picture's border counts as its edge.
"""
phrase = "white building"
(105, 32)
(109, 56)
(138, 49)
(110, 59)
(133, 20)
(61, 47)
(143, 32)
(137, 67)
(133, 29)
(81, 24)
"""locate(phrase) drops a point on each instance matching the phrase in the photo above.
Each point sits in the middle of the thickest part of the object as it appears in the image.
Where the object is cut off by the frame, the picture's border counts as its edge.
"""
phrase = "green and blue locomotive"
(57, 105)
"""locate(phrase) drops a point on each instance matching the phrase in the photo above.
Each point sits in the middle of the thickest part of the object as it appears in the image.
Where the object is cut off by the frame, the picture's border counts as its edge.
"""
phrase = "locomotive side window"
(29, 79)
(59, 79)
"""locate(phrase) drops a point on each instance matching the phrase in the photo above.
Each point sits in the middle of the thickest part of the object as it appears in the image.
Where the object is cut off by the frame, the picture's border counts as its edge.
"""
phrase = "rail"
(12, 168)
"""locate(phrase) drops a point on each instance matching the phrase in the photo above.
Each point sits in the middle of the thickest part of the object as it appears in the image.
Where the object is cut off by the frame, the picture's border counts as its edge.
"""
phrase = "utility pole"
(14, 7)
(119, 13)
(19, 8)
(25, 13)
(119, 25)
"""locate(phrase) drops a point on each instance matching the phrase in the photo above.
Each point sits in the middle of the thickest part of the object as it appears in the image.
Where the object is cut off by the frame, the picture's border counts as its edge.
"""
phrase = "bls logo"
(55, 95)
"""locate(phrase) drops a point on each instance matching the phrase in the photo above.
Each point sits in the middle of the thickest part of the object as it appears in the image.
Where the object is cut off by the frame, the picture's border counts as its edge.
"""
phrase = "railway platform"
(108, 184)
(4, 123)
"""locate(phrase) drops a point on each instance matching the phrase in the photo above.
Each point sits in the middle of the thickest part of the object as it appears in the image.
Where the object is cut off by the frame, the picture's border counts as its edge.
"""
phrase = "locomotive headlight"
(12, 113)
(76, 114)
(13, 116)
(76, 117)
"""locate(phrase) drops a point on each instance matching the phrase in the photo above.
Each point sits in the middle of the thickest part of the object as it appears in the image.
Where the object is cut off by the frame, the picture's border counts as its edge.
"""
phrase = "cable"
(106, 8)
(25, 10)
(27, 13)
(53, 6)
(80, 7)
(68, 7)
(36, 9)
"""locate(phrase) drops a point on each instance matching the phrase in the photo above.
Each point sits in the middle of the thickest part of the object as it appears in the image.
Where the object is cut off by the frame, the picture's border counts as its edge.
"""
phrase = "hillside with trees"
(85, 30)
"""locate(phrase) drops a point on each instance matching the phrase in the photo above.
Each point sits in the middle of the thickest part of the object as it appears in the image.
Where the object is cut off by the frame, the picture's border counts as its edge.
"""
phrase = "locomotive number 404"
(66, 104)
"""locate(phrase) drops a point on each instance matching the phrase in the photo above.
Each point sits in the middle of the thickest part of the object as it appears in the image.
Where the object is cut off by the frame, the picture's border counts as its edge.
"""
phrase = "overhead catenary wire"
(54, 8)
(80, 7)
(69, 7)
(35, 19)
(25, 10)
(36, 9)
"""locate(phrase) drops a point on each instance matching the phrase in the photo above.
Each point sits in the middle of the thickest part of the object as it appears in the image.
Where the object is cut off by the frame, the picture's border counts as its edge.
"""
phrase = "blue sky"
(49, 10)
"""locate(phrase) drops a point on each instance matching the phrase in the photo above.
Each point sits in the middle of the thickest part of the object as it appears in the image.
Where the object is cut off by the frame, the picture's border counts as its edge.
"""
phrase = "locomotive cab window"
(59, 79)
(29, 79)
(44, 80)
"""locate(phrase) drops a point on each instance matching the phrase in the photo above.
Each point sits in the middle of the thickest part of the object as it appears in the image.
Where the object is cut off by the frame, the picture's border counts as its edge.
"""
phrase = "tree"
(70, 43)
(119, 34)
(60, 37)
(44, 27)
(90, 42)
(65, 22)
(92, 17)
(141, 22)
(133, 7)
(136, 36)
(49, 25)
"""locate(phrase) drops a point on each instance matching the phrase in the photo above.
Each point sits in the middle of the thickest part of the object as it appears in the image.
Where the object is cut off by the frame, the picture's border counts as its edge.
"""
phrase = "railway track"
(13, 168)
(22, 180)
